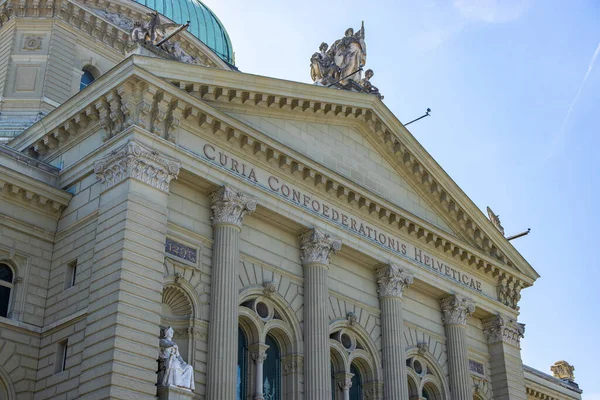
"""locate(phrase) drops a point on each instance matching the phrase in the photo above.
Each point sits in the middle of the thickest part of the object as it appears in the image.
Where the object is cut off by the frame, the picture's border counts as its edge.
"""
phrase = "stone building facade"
(299, 240)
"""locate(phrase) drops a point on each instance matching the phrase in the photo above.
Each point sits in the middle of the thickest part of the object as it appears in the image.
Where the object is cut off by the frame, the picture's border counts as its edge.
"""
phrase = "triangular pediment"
(346, 151)
(260, 114)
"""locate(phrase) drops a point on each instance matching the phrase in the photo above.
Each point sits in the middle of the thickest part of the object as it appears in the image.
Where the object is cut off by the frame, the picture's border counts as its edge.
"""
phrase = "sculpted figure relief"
(153, 31)
(172, 369)
(341, 64)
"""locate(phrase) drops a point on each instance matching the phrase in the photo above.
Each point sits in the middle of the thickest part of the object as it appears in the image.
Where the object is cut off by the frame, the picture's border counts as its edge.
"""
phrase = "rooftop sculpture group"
(341, 64)
(153, 32)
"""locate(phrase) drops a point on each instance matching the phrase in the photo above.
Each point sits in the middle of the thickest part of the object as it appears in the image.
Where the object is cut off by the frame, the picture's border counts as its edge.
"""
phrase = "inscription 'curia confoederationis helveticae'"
(340, 217)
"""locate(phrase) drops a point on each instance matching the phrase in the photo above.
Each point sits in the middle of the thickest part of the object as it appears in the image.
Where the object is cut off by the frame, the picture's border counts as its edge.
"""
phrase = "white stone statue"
(172, 369)
(350, 53)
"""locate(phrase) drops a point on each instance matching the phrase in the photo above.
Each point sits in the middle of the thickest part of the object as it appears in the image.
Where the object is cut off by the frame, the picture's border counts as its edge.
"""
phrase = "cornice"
(120, 92)
(409, 156)
(20, 188)
(536, 387)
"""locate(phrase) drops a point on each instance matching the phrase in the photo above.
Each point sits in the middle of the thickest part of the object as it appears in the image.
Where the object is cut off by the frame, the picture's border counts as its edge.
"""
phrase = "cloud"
(559, 135)
(593, 396)
(492, 11)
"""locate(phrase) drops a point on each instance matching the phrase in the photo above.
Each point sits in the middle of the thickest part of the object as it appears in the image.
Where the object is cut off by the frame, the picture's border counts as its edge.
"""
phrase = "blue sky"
(515, 91)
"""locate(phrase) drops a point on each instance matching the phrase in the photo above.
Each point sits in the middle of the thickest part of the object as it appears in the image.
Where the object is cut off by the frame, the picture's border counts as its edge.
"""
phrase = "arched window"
(272, 371)
(356, 388)
(6, 286)
(87, 78)
(242, 365)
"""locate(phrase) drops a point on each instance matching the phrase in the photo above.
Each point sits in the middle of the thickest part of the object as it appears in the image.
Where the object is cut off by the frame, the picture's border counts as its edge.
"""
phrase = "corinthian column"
(316, 248)
(228, 210)
(455, 310)
(392, 280)
(506, 368)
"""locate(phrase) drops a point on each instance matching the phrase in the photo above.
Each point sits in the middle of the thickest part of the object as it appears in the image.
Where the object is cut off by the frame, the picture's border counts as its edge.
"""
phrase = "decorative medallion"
(32, 43)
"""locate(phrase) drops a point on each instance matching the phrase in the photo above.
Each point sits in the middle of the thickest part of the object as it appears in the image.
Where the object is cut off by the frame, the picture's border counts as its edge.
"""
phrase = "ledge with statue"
(175, 376)
(341, 65)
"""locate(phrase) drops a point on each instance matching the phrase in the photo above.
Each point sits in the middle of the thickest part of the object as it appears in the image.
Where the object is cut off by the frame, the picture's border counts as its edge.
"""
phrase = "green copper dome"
(204, 24)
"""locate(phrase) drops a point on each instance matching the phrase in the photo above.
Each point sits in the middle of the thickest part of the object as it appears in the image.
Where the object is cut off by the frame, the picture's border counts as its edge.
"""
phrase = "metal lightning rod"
(427, 114)
(175, 32)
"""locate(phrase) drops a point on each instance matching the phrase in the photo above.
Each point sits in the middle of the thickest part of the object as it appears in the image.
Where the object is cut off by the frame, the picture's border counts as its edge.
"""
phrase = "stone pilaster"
(228, 211)
(121, 337)
(316, 248)
(455, 310)
(506, 368)
(392, 280)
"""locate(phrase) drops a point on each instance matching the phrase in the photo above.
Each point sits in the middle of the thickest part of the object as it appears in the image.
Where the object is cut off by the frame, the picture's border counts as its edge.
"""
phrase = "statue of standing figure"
(350, 54)
(172, 369)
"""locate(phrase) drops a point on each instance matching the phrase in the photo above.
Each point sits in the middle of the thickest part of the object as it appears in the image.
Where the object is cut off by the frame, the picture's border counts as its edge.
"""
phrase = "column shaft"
(458, 363)
(393, 349)
(392, 281)
(222, 329)
(455, 310)
(316, 333)
(228, 210)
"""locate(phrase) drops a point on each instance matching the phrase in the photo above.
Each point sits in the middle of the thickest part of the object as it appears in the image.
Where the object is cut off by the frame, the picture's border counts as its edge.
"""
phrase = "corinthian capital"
(229, 207)
(500, 328)
(136, 161)
(456, 309)
(316, 247)
(392, 280)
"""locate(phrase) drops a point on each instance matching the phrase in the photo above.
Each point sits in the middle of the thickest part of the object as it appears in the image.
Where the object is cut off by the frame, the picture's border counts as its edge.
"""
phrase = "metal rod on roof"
(421, 117)
(519, 234)
(341, 79)
(175, 32)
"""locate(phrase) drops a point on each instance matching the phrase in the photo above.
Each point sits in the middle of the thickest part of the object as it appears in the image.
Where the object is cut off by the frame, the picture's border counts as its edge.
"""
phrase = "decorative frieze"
(230, 207)
(501, 328)
(134, 160)
(316, 247)
(456, 309)
(32, 43)
(392, 280)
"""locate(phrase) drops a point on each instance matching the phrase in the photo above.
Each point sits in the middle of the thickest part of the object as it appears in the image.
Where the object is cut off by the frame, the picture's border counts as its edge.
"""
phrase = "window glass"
(6, 273)
(4, 300)
(86, 79)
(242, 363)
(356, 388)
(272, 371)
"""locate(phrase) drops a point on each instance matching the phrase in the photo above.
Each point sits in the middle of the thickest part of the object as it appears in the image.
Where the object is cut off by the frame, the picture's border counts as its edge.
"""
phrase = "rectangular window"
(71, 274)
(61, 356)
